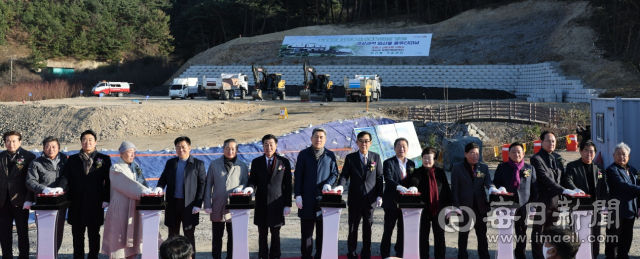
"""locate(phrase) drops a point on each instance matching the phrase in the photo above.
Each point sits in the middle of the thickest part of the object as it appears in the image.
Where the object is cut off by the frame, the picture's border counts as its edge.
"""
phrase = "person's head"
(318, 138)
(50, 147)
(516, 152)
(127, 152)
(176, 247)
(560, 243)
(364, 141)
(472, 153)
(230, 148)
(12, 141)
(401, 146)
(89, 141)
(548, 140)
(270, 145)
(183, 147)
(588, 151)
(621, 154)
(428, 157)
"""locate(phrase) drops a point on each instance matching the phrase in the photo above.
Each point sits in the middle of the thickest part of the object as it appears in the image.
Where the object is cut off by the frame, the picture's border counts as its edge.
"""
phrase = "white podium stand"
(505, 246)
(581, 225)
(411, 217)
(150, 209)
(46, 208)
(240, 222)
(331, 207)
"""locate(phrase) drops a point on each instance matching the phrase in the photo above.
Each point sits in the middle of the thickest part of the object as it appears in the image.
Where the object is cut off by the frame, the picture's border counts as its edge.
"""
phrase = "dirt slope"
(519, 33)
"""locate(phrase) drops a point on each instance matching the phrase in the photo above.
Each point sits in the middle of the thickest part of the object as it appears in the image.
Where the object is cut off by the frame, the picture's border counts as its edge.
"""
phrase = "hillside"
(519, 33)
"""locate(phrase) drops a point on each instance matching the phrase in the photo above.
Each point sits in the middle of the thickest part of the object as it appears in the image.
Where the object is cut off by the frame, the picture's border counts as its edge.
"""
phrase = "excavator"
(317, 87)
(267, 86)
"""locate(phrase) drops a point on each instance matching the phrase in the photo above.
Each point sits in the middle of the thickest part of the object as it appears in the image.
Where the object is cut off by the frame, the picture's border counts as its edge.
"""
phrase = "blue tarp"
(340, 139)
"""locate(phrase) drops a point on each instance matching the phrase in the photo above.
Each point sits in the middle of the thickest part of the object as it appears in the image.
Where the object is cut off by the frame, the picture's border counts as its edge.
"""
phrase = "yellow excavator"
(317, 87)
(267, 86)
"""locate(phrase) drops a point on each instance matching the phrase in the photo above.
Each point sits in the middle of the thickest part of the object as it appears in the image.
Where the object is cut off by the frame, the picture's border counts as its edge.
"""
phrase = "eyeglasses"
(364, 141)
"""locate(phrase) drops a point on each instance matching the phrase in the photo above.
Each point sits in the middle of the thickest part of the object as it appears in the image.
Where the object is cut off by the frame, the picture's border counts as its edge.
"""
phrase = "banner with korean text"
(380, 45)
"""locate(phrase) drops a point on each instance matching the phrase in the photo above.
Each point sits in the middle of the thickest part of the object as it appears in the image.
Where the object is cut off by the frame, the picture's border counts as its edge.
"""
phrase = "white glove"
(248, 190)
(299, 202)
(237, 190)
(493, 190)
(412, 189)
(158, 190)
(48, 190)
(208, 211)
(105, 204)
(339, 188)
(58, 190)
(195, 210)
(27, 205)
(326, 187)
(378, 202)
(568, 192)
(402, 189)
(578, 191)
(147, 191)
(286, 211)
(447, 213)
(605, 211)
(502, 190)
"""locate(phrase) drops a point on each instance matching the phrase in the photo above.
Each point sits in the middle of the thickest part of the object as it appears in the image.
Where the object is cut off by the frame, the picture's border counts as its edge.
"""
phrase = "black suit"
(273, 193)
(13, 194)
(87, 192)
(527, 192)
(392, 214)
(179, 210)
(550, 176)
(365, 187)
(428, 218)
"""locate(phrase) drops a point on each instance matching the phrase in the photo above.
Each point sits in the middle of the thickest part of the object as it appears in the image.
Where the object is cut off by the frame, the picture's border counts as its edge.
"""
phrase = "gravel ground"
(290, 235)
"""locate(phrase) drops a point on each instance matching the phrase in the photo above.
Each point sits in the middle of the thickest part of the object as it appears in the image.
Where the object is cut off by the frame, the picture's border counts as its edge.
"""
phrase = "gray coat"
(44, 174)
(464, 188)
(220, 184)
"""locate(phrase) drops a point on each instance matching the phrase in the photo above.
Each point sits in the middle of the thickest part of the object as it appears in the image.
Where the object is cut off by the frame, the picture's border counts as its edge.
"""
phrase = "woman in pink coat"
(123, 226)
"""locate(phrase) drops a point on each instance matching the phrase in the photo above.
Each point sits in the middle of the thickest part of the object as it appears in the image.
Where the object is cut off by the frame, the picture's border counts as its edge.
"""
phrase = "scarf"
(228, 163)
(433, 191)
(318, 152)
(515, 180)
(87, 160)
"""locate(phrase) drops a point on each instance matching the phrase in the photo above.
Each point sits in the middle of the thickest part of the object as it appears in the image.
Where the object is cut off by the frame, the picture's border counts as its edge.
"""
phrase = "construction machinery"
(227, 86)
(317, 87)
(355, 89)
(267, 86)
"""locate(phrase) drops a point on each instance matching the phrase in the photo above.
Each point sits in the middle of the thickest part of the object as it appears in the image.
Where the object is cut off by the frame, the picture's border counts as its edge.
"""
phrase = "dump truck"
(185, 87)
(111, 88)
(227, 86)
(317, 87)
(355, 88)
(209, 85)
(267, 86)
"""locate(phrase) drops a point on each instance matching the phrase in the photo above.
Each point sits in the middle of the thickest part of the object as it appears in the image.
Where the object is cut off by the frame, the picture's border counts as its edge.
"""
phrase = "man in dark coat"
(271, 177)
(15, 199)
(364, 170)
(396, 172)
(435, 192)
(624, 183)
(586, 175)
(185, 179)
(549, 167)
(316, 170)
(85, 177)
(517, 177)
(469, 179)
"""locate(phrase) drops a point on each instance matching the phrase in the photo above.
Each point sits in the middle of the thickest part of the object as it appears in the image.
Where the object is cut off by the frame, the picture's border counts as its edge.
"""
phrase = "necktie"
(270, 166)
(364, 160)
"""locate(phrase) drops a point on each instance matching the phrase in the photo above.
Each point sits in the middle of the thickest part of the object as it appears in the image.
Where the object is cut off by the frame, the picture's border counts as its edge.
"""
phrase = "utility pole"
(11, 59)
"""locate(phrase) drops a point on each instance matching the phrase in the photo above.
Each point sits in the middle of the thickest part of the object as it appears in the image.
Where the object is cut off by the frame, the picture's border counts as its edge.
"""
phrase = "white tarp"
(381, 45)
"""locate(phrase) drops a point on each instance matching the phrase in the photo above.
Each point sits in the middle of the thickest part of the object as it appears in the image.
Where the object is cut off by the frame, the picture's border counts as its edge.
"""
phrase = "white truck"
(355, 89)
(227, 86)
(184, 88)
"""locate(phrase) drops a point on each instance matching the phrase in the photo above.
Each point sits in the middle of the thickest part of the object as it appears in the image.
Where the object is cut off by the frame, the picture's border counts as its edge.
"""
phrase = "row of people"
(88, 178)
